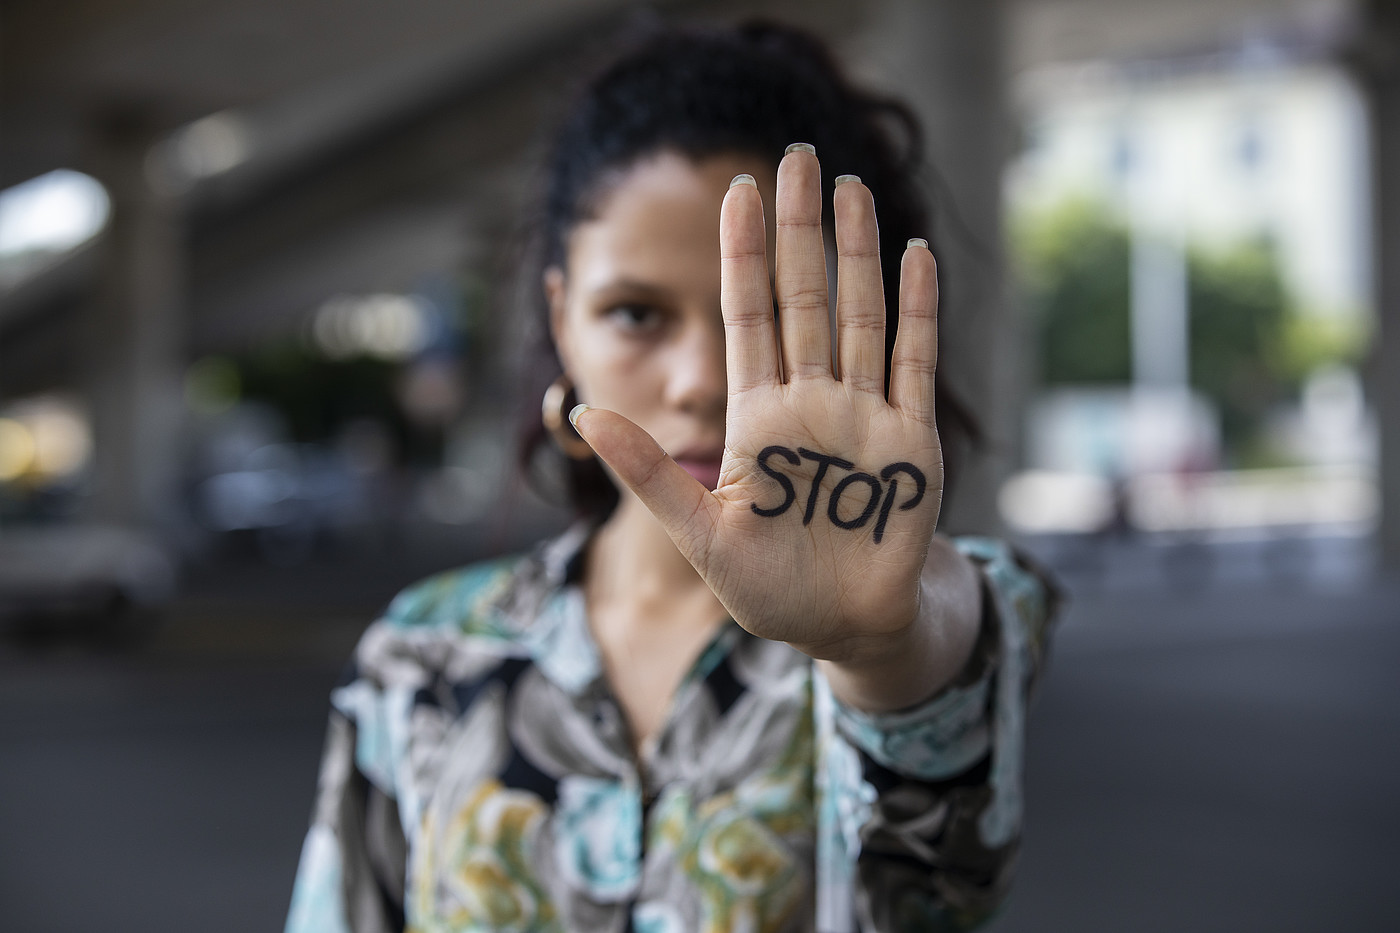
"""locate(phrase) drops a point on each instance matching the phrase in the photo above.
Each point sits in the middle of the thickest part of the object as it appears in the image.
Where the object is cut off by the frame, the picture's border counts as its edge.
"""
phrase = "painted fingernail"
(801, 147)
(574, 412)
(916, 241)
(842, 179)
(738, 180)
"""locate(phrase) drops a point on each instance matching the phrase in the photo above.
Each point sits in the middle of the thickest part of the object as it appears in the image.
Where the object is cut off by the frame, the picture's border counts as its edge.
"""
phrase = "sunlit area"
(1190, 240)
(45, 217)
(275, 345)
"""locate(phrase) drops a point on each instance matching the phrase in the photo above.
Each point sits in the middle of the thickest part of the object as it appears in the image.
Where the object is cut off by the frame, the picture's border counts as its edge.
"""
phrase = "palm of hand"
(829, 491)
(778, 555)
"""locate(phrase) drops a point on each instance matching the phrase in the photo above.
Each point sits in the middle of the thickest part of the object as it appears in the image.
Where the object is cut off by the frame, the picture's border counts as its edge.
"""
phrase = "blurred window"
(1250, 149)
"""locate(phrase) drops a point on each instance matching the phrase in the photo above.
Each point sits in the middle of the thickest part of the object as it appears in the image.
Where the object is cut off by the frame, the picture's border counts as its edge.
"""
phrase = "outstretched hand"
(830, 489)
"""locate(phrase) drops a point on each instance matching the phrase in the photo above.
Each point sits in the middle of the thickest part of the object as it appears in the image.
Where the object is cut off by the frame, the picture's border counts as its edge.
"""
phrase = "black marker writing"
(783, 481)
(888, 473)
(881, 495)
(835, 516)
(823, 461)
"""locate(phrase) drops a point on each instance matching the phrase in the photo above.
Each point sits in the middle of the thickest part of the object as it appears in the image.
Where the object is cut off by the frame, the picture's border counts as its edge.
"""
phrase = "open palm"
(829, 490)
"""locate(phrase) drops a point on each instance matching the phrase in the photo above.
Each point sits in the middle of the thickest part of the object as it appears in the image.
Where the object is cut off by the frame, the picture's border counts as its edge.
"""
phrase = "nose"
(697, 382)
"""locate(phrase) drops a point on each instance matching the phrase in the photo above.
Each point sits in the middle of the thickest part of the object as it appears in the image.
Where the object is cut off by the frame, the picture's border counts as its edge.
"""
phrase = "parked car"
(78, 579)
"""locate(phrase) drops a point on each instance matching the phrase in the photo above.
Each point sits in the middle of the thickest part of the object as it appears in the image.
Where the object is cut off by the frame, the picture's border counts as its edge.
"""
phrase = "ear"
(556, 294)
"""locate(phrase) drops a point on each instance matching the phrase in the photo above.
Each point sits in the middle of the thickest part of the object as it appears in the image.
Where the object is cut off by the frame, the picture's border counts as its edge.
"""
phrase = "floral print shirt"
(478, 776)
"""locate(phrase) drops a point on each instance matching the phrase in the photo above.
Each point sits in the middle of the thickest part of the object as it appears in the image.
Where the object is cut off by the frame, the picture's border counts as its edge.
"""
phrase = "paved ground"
(1214, 749)
(1218, 757)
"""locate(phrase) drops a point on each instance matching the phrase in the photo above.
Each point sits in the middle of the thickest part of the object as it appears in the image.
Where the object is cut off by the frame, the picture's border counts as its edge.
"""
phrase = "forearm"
(943, 827)
(899, 671)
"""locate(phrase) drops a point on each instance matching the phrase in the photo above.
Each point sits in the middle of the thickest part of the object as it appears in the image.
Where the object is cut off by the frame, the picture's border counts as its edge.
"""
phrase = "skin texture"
(664, 320)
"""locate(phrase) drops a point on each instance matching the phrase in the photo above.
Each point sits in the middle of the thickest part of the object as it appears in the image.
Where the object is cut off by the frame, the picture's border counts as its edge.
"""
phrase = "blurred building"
(1257, 145)
(1264, 143)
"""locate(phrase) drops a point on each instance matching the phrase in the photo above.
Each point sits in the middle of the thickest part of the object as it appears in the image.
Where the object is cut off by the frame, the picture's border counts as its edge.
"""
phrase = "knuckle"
(919, 312)
(651, 473)
(864, 323)
(803, 295)
(921, 367)
(746, 321)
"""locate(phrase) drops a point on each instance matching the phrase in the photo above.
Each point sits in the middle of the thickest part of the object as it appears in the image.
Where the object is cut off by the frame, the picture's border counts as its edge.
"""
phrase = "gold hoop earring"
(554, 411)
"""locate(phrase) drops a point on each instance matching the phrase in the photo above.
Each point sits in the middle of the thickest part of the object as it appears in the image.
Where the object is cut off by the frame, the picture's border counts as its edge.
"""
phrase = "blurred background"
(260, 367)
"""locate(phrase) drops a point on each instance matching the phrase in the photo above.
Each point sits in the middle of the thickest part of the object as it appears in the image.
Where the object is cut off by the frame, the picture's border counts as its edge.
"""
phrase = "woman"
(752, 689)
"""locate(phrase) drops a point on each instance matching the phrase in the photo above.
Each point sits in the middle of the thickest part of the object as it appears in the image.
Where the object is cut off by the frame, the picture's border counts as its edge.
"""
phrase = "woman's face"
(635, 312)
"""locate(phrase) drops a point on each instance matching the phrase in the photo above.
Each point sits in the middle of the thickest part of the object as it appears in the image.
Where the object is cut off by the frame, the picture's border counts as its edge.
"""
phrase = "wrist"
(907, 665)
(881, 674)
(872, 647)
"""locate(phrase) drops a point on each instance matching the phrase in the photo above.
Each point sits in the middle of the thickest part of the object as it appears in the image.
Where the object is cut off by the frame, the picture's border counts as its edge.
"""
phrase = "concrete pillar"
(134, 353)
(947, 58)
(1380, 77)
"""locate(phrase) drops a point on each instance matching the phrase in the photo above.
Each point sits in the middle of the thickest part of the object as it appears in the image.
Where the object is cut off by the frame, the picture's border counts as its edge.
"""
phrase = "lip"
(704, 466)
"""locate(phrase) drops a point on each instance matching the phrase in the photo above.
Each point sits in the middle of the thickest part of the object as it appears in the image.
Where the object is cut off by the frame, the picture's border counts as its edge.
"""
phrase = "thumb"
(683, 505)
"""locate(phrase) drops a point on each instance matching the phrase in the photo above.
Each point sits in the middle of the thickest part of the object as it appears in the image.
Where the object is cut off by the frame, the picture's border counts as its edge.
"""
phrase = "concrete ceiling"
(373, 136)
(307, 69)
(308, 72)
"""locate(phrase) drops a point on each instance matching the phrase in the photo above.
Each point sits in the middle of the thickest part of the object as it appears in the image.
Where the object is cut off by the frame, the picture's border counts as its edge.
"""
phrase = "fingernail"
(842, 179)
(738, 180)
(916, 241)
(803, 147)
(574, 412)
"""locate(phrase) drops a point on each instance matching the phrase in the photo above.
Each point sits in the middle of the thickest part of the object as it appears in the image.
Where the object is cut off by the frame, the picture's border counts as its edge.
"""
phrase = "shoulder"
(454, 624)
(460, 623)
(493, 599)
(465, 600)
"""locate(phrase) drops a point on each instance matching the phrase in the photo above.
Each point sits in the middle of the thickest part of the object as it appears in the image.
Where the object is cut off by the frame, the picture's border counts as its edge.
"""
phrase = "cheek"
(611, 371)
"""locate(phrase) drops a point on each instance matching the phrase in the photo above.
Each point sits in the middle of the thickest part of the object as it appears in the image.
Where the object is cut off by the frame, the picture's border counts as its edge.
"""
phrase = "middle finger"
(804, 329)
(860, 290)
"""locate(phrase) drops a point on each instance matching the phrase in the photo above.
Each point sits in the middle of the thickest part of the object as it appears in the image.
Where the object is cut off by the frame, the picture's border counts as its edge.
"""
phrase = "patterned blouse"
(478, 776)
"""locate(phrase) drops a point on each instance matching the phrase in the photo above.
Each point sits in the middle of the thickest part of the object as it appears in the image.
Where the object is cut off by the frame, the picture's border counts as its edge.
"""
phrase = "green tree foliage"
(316, 395)
(1239, 312)
(1249, 350)
(1073, 263)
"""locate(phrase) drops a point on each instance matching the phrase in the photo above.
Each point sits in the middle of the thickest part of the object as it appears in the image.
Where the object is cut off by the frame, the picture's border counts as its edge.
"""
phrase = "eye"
(636, 317)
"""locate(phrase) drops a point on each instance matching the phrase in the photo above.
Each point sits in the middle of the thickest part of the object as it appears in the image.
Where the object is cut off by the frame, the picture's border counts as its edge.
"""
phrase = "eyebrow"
(632, 287)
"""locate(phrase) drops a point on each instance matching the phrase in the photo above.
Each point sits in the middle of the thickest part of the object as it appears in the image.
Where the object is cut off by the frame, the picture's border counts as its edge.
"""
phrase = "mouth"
(704, 467)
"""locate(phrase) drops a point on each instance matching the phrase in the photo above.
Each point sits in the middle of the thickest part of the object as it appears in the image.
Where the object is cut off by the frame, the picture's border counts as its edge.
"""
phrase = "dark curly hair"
(703, 92)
